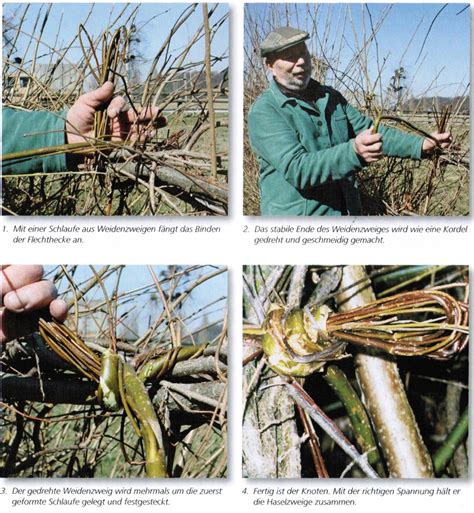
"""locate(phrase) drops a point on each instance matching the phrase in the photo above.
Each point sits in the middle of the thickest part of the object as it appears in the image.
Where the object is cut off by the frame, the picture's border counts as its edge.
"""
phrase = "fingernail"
(15, 301)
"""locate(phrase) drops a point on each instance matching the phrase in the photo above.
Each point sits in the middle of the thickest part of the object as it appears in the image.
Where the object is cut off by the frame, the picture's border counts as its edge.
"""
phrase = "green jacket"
(47, 130)
(306, 152)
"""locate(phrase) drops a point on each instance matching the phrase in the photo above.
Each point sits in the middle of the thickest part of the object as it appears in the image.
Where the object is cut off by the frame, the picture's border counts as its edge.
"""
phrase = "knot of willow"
(108, 392)
(427, 323)
(298, 344)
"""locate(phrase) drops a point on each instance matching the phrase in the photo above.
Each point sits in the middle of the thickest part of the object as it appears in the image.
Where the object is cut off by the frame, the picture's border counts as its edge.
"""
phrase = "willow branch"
(360, 421)
(210, 96)
(444, 454)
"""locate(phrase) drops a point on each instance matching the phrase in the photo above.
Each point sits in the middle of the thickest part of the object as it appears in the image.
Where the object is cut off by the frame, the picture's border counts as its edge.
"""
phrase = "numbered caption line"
(82, 497)
(77, 234)
(307, 235)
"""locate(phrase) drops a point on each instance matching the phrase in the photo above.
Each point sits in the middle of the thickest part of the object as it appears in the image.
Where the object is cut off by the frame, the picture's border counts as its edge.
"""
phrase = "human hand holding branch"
(441, 140)
(24, 294)
(123, 124)
(368, 146)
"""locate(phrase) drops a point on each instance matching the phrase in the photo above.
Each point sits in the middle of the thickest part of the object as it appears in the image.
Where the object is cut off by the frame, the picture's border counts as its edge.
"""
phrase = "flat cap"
(281, 39)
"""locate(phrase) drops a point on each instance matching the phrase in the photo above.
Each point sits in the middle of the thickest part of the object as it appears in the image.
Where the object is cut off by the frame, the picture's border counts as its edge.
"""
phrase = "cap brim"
(265, 52)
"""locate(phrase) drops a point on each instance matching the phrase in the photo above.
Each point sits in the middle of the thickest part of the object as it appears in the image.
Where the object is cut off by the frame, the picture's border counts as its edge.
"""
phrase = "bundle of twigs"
(402, 325)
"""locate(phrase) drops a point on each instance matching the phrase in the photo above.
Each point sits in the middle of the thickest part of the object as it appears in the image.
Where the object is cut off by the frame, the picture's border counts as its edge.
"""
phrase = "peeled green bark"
(384, 395)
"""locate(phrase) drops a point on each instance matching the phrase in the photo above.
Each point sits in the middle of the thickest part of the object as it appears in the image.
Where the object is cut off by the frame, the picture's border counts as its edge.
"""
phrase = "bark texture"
(384, 395)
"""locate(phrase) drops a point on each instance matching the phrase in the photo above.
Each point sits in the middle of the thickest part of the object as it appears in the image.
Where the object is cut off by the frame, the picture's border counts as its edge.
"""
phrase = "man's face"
(291, 67)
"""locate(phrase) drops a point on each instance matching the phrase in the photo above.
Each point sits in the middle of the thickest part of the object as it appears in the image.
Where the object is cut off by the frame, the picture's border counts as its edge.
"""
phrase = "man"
(310, 142)
(24, 296)
(28, 130)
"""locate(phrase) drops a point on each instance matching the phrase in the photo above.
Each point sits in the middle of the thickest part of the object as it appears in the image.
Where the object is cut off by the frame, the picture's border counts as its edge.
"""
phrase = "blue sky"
(155, 20)
(141, 307)
(443, 65)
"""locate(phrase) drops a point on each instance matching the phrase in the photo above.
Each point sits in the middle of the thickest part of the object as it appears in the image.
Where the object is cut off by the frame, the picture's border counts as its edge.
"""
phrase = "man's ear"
(269, 64)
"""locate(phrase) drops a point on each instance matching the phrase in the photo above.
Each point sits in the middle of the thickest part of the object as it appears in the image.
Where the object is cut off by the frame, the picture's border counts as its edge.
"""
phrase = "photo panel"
(115, 109)
(356, 109)
(353, 371)
(122, 375)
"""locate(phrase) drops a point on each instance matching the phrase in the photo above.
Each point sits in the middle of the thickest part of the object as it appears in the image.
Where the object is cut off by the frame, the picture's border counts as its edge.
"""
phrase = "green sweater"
(47, 130)
(306, 151)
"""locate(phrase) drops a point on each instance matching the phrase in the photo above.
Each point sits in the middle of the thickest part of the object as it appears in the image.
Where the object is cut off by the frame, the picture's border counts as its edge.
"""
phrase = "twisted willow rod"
(119, 385)
(77, 148)
(405, 123)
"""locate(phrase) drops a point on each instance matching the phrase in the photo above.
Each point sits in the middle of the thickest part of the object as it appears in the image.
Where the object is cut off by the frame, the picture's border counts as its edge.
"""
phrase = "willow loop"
(427, 323)
(114, 51)
(71, 348)
(397, 325)
(118, 386)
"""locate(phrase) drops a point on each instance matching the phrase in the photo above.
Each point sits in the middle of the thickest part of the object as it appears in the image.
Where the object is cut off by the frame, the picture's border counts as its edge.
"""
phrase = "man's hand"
(368, 146)
(23, 294)
(444, 141)
(123, 124)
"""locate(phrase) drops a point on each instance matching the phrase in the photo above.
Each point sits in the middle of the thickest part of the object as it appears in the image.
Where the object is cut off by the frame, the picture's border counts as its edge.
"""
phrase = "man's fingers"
(370, 157)
(369, 146)
(30, 297)
(444, 139)
(99, 96)
(370, 139)
(58, 309)
(374, 158)
(13, 277)
(374, 148)
(116, 106)
(146, 115)
(14, 325)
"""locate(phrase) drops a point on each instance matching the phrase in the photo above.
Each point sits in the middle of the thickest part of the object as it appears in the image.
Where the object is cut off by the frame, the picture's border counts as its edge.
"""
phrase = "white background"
(233, 247)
